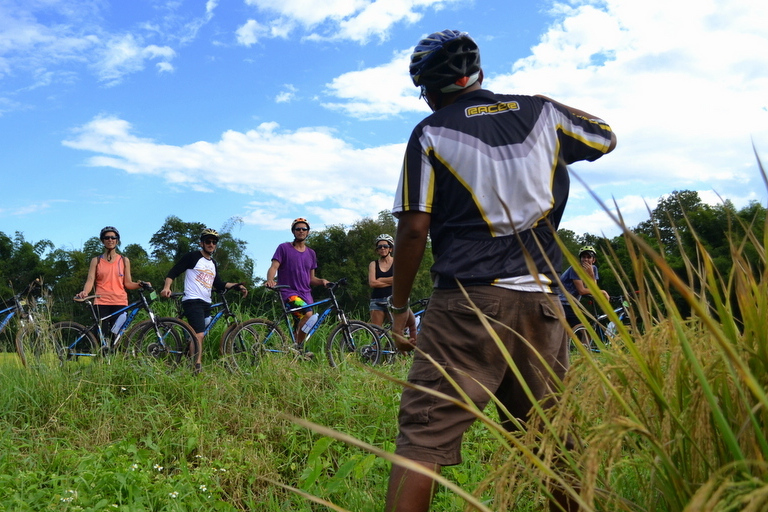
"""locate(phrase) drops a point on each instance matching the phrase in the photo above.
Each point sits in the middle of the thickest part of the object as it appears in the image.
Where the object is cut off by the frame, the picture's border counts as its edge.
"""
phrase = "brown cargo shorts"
(431, 428)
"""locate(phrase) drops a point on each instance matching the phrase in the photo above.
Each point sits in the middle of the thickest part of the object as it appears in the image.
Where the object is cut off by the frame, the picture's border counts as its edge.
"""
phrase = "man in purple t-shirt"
(296, 264)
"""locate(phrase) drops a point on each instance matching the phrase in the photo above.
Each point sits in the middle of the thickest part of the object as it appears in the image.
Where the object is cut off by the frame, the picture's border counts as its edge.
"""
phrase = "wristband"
(396, 310)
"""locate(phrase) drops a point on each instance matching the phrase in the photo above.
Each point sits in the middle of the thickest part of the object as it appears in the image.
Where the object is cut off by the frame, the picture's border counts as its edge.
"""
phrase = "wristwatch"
(396, 310)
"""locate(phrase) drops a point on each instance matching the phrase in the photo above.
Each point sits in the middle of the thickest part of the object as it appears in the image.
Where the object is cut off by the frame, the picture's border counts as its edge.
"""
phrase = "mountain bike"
(602, 330)
(162, 338)
(388, 349)
(32, 343)
(220, 310)
(350, 340)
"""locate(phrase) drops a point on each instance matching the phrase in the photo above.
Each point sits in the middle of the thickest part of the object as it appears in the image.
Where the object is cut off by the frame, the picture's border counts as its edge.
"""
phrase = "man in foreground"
(485, 177)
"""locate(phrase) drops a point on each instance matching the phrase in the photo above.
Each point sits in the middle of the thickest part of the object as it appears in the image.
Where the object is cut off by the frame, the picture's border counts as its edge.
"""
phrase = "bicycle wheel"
(581, 335)
(388, 351)
(167, 339)
(354, 341)
(35, 347)
(250, 341)
(74, 343)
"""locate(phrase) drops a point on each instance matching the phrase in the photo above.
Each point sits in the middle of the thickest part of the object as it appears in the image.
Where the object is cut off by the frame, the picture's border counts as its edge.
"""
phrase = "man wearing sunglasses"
(200, 277)
(296, 264)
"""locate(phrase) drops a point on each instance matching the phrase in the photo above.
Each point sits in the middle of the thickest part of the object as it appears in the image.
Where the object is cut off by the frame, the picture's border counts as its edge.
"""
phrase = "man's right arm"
(271, 273)
(175, 271)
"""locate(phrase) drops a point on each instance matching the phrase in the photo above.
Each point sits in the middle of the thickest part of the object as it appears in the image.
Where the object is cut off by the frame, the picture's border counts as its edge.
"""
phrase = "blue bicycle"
(32, 343)
(162, 338)
(350, 340)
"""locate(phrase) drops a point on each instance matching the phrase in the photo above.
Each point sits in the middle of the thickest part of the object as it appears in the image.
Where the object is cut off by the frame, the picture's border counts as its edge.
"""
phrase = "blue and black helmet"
(442, 58)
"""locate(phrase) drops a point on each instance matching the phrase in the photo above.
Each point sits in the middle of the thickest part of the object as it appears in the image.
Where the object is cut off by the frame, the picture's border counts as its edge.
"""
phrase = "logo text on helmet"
(497, 108)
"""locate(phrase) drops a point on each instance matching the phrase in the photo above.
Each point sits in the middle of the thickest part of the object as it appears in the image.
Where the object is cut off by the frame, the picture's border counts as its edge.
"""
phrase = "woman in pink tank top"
(111, 274)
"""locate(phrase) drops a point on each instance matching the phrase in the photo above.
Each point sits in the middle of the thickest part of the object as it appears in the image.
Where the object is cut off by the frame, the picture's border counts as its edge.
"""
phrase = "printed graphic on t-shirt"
(205, 278)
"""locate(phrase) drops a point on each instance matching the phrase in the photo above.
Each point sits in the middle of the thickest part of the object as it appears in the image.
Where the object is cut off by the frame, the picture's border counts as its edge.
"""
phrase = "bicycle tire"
(250, 341)
(171, 342)
(353, 341)
(74, 343)
(35, 348)
(225, 335)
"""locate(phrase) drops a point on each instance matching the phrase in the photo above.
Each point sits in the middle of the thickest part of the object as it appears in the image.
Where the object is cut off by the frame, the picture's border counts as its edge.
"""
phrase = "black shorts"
(196, 311)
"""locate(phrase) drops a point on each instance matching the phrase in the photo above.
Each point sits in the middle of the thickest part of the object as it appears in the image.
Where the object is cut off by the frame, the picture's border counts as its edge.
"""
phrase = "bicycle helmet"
(299, 221)
(107, 229)
(588, 248)
(385, 237)
(447, 60)
(209, 233)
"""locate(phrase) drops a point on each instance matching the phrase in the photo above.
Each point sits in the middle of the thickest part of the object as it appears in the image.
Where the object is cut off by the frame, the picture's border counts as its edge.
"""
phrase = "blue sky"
(122, 113)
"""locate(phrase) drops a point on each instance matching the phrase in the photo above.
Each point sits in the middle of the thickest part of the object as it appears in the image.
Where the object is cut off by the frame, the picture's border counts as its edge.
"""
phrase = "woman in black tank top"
(380, 278)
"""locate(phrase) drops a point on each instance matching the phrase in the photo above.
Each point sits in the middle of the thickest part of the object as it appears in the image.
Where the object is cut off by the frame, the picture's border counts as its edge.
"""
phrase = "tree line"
(681, 224)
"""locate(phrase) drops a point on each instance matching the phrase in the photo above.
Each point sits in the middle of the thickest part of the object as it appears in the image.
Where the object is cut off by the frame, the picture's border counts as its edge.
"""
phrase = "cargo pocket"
(416, 404)
(549, 313)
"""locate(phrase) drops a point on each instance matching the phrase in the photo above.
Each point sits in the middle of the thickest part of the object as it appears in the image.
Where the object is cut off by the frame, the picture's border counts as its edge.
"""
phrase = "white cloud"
(393, 91)
(304, 167)
(355, 20)
(287, 95)
(124, 54)
(249, 33)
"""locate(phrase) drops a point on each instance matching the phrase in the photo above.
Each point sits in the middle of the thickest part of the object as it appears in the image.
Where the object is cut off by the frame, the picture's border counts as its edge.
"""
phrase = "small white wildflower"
(114, 505)
(198, 456)
(158, 467)
(223, 470)
(173, 494)
(203, 488)
(134, 467)
(123, 389)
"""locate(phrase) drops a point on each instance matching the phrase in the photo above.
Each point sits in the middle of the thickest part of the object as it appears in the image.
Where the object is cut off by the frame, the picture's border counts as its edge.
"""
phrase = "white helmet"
(385, 237)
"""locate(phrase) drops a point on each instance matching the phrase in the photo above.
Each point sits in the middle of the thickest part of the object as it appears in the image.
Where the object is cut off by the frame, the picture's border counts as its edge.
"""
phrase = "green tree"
(174, 239)
(21, 262)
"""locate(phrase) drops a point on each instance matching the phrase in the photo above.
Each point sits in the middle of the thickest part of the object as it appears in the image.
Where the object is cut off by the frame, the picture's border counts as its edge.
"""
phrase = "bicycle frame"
(131, 310)
(288, 312)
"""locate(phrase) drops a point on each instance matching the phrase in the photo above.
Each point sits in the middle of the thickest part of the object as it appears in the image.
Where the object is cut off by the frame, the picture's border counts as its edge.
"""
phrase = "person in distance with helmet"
(110, 274)
(575, 286)
(485, 178)
(200, 277)
(380, 277)
(294, 264)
